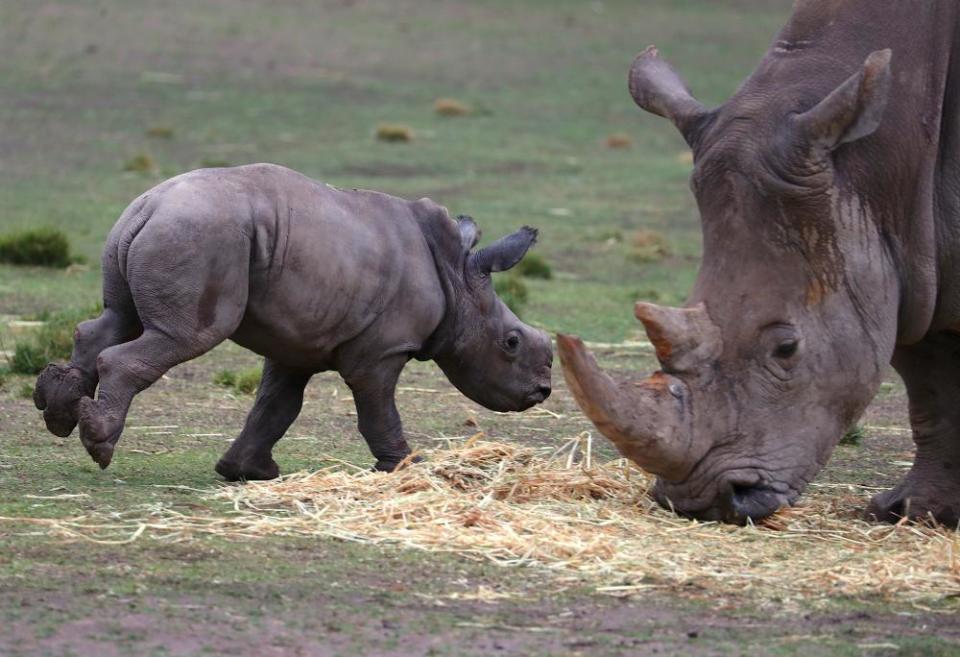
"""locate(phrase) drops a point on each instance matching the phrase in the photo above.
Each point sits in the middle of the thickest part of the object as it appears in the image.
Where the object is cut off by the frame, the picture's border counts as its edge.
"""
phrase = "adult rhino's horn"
(647, 421)
(684, 338)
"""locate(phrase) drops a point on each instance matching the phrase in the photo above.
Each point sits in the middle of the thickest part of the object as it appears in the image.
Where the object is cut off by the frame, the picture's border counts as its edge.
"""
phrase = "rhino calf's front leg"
(374, 390)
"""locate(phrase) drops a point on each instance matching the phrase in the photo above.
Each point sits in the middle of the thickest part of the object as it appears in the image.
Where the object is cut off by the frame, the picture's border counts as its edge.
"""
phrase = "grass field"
(91, 88)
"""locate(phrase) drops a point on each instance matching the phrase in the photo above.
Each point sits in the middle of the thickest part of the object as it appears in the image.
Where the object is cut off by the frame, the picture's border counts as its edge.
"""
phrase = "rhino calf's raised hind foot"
(57, 393)
(311, 277)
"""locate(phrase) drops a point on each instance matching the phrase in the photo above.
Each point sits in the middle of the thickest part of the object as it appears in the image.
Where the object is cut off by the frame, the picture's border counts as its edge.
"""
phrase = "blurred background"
(513, 112)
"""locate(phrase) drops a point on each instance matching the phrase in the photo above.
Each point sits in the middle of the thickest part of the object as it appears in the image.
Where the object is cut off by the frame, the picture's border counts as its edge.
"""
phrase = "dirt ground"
(319, 626)
(327, 597)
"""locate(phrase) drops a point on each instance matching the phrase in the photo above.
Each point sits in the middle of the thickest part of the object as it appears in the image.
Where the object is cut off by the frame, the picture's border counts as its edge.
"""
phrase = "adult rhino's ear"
(851, 111)
(657, 88)
(469, 232)
(505, 252)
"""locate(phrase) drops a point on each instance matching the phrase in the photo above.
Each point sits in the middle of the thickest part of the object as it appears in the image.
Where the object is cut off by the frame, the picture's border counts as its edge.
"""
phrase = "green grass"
(535, 265)
(44, 247)
(512, 291)
(53, 341)
(854, 436)
(244, 382)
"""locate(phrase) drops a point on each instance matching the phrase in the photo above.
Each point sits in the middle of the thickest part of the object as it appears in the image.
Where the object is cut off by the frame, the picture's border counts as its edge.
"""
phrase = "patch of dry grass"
(519, 506)
(649, 246)
(394, 133)
(140, 163)
(619, 140)
(450, 107)
(160, 132)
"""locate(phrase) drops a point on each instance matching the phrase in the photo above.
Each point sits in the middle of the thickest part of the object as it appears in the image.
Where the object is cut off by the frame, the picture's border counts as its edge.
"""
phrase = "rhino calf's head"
(487, 352)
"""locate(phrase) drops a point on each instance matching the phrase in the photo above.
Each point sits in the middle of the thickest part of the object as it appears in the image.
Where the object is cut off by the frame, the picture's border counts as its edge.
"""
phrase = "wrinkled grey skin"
(311, 277)
(829, 192)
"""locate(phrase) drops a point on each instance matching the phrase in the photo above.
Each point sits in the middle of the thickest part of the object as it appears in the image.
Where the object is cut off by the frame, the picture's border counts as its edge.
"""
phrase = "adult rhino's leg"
(60, 386)
(279, 400)
(374, 390)
(189, 283)
(931, 372)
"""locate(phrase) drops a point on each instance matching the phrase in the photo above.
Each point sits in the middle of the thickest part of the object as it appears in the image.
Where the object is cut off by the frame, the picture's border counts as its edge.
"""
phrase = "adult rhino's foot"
(57, 393)
(248, 469)
(99, 431)
(919, 498)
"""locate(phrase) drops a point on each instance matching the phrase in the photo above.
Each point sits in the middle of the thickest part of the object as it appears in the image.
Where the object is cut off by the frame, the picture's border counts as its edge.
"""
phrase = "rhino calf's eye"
(786, 349)
(512, 342)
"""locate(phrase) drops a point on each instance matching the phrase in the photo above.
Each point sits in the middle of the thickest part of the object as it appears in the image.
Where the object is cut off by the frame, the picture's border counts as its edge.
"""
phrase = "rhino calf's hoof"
(58, 390)
(99, 431)
(248, 470)
(390, 465)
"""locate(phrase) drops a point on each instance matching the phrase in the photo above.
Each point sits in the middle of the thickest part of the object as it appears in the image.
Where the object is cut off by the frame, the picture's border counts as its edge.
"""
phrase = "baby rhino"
(313, 278)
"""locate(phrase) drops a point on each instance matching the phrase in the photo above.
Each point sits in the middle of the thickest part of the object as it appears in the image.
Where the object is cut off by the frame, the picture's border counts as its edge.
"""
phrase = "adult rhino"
(829, 192)
(311, 277)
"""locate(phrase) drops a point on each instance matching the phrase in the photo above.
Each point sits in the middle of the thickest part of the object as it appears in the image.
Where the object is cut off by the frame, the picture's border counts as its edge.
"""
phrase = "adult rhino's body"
(313, 278)
(829, 190)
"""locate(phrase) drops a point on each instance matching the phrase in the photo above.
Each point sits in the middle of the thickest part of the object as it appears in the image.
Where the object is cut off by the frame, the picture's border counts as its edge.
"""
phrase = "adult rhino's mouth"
(726, 478)
(736, 498)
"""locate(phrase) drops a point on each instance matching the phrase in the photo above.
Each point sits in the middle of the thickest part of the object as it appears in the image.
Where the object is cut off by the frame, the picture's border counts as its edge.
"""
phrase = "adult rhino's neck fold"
(899, 169)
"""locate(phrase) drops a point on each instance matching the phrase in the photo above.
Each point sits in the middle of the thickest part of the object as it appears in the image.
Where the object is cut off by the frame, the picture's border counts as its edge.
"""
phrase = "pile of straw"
(520, 506)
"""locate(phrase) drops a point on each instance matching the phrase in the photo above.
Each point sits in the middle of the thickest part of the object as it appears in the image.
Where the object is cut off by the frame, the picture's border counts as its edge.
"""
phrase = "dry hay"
(520, 506)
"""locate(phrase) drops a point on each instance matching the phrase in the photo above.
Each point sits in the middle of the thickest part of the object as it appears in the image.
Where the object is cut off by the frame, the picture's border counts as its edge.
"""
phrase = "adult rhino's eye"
(786, 349)
(512, 342)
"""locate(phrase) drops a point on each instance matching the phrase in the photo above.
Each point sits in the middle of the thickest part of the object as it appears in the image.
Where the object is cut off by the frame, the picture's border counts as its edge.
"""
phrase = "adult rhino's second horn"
(647, 421)
(684, 338)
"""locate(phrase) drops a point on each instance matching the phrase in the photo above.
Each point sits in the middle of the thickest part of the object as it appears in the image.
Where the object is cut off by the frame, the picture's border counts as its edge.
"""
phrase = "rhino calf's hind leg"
(931, 372)
(279, 400)
(60, 387)
(125, 370)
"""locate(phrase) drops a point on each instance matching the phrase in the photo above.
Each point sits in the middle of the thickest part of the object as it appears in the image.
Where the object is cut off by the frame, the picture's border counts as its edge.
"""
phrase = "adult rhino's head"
(794, 312)
(489, 354)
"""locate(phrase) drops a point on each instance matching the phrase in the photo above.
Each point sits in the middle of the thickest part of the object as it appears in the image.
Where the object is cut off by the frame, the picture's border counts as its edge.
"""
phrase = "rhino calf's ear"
(853, 110)
(505, 252)
(657, 88)
(469, 231)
